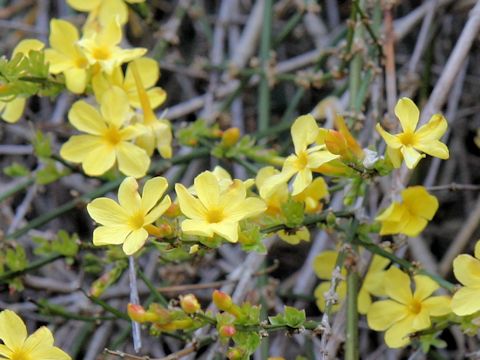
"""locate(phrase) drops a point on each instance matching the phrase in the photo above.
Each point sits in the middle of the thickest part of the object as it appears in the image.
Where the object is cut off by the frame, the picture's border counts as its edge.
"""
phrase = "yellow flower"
(294, 237)
(108, 138)
(149, 73)
(410, 143)
(104, 10)
(406, 312)
(159, 133)
(129, 221)
(305, 160)
(66, 57)
(11, 111)
(324, 264)
(17, 345)
(312, 195)
(214, 211)
(467, 270)
(275, 198)
(102, 48)
(411, 216)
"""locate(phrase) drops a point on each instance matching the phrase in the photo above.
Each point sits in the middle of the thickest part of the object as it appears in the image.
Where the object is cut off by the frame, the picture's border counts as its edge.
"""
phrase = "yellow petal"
(245, 209)
(433, 130)
(42, 339)
(295, 238)
(424, 287)
(58, 62)
(364, 301)
(397, 335)
(63, 36)
(152, 192)
(227, 230)
(477, 249)
(189, 205)
(111, 34)
(413, 225)
(384, 313)
(26, 45)
(324, 263)
(397, 285)
(86, 118)
(421, 320)
(301, 181)
(393, 213)
(132, 160)
(158, 210)
(304, 132)
(76, 80)
(13, 331)
(77, 147)
(411, 156)
(465, 301)
(106, 211)
(438, 305)
(13, 110)
(467, 270)
(323, 288)
(114, 106)
(207, 188)
(318, 158)
(5, 351)
(111, 10)
(419, 202)
(197, 227)
(99, 160)
(110, 235)
(391, 140)
(128, 196)
(395, 156)
(148, 71)
(408, 114)
(135, 241)
(434, 148)
(84, 5)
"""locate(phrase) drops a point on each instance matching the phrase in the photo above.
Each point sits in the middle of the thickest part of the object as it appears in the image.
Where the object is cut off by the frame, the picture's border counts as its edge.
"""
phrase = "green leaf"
(16, 170)
(250, 238)
(293, 212)
(294, 317)
(49, 173)
(247, 340)
(42, 145)
(16, 259)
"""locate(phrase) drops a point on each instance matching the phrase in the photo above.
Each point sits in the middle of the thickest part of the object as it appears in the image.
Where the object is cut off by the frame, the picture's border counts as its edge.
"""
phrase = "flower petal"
(433, 130)
(467, 270)
(197, 227)
(408, 114)
(148, 70)
(465, 301)
(5, 351)
(113, 9)
(393, 213)
(419, 202)
(13, 331)
(324, 263)
(384, 313)
(84, 5)
(63, 36)
(152, 192)
(397, 285)
(128, 196)
(114, 106)
(132, 160)
(106, 211)
(397, 335)
(14, 110)
(208, 189)
(247, 208)
(86, 118)
(158, 210)
(318, 158)
(77, 147)
(76, 80)
(363, 301)
(391, 140)
(110, 235)
(413, 225)
(40, 340)
(227, 230)
(411, 156)
(301, 181)
(438, 305)
(434, 148)
(99, 160)
(135, 241)
(424, 287)
(304, 132)
(189, 205)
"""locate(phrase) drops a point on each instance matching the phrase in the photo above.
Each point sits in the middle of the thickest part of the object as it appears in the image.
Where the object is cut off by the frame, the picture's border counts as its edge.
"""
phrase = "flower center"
(302, 160)
(81, 62)
(136, 221)
(415, 306)
(215, 216)
(20, 354)
(112, 136)
(101, 53)
(407, 139)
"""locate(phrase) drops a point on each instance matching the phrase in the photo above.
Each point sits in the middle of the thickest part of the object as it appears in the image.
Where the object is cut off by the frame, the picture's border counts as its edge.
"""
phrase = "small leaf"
(16, 170)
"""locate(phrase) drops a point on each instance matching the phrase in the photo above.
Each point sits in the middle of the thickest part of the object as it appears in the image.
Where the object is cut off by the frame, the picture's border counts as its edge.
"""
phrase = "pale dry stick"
(316, 29)
(98, 341)
(134, 299)
(461, 240)
(52, 285)
(16, 149)
(421, 253)
(389, 51)
(333, 13)
(20, 26)
(23, 208)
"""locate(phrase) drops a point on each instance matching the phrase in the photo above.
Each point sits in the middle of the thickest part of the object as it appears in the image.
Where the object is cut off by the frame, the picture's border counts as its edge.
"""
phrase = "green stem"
(33, 266)
(351, 343)
(159, 297)
(16, 188)
(263, 88)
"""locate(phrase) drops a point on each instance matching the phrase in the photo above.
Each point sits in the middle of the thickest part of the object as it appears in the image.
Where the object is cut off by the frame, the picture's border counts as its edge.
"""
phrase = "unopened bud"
(235, 354)
(227, 331)
(230, 136)
(222, 300)
(173, 210)
(136, 312)
(189, 304)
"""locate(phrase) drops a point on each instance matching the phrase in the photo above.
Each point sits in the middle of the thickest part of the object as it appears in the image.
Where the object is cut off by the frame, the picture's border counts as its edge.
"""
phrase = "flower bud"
(189, 304)
(230, 136)
(173, 210)
(227, 331)
(235, 354)
(136, 312)
(222, 300)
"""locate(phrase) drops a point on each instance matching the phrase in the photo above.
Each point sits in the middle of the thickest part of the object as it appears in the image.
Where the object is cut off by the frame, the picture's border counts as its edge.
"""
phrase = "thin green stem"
(22, 185)
(33, 266)
(351, 343)
(156, 294)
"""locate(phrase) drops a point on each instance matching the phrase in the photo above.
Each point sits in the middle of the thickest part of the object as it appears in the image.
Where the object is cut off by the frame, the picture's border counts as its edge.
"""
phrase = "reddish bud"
(235, 354)
(136, 312)
(189, 304)
(173, 210)
(227, 330)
